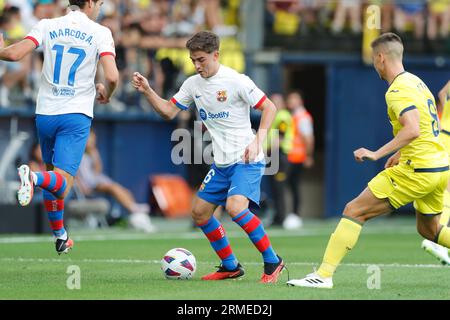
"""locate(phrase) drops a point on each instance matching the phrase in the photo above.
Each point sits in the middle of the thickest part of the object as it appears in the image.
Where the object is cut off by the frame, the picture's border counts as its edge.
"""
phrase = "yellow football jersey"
(408, 92)
(445, 116)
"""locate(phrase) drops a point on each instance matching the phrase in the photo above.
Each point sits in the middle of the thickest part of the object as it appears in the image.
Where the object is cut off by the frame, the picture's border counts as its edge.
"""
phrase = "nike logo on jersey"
(394, 91)
(196, 96)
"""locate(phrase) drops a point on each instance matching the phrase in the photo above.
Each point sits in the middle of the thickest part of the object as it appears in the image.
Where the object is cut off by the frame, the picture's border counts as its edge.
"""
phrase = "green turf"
(128, 268)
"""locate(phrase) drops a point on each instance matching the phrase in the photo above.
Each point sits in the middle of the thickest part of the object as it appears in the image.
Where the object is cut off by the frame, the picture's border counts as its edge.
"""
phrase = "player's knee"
(234, 207)
(350, 210)
(353, 212)
(199, 216)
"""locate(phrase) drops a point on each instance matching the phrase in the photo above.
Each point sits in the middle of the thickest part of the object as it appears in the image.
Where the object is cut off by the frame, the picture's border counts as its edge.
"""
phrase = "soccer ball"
(178, 263)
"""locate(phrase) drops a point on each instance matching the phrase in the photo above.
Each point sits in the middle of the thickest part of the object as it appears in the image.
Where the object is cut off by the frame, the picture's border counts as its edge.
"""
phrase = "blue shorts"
(63, 139)
(237, 179)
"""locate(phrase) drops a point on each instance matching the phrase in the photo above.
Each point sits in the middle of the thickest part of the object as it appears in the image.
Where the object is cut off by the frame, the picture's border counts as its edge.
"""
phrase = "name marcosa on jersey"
(220, 115)
(67, 32)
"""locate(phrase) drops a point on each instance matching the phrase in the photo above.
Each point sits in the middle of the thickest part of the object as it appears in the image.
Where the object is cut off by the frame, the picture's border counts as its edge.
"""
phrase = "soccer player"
(72, 45)
(417, 172)
(223, 98)
(438, 251)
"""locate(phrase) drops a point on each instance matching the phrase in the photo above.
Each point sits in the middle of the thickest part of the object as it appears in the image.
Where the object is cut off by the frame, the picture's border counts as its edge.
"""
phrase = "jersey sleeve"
(183, 98)
(106, 43)
(250, 93)
(400, 102)
(37, 33)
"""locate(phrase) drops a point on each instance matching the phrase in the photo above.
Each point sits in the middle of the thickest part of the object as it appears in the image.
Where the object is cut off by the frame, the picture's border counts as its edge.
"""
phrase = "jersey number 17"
(58, 62)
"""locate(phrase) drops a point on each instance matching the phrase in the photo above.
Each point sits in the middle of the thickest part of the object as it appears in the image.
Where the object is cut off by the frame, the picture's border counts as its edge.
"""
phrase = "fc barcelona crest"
(222, 95)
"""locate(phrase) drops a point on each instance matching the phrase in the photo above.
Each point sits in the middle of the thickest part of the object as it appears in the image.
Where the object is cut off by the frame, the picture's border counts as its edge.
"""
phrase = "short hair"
(79, 3)
(391, 42)
(205, 41)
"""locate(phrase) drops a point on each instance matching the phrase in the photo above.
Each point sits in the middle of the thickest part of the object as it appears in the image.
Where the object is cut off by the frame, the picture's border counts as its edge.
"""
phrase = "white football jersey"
(72, 45)
(223, 102)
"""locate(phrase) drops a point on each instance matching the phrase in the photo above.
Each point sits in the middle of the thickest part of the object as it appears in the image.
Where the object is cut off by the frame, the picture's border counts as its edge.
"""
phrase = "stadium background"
(281, 45)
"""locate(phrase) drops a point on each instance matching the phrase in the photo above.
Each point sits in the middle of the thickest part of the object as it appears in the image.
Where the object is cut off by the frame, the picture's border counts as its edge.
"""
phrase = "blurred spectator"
(47, 9)
(410, 14)
(284, 15)
(91, 180)
(438, 22)
(300, 156)
(387, 13)
(344, 8)
(13, 74)
(313, 15)
(214, 18)
(186, 18)
(26, 11)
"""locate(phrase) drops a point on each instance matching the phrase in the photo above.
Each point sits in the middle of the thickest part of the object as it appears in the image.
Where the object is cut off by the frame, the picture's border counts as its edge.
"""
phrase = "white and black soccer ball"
(178, 263)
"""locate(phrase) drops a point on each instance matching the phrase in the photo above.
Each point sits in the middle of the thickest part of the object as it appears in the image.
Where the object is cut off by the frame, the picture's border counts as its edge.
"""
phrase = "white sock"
(63, 236)
(34, 176)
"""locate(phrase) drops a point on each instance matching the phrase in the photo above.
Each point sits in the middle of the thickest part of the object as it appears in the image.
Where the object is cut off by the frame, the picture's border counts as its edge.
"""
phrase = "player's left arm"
(268, 110)
(16, 51)
(410, 121)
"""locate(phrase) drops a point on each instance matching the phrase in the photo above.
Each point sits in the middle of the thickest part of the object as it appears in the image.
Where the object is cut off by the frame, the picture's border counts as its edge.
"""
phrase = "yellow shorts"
(401, 185)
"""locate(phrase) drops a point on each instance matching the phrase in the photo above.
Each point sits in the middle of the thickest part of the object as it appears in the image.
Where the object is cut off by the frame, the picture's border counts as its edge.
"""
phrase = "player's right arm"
(17, 50)
(167, 109)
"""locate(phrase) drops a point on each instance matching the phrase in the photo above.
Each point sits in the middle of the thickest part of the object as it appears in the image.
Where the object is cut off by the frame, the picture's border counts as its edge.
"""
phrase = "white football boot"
(25, 193)
(437, 251)
(312, 280)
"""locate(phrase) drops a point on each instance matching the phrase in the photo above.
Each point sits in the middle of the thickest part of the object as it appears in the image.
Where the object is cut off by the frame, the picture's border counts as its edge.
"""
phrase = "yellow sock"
(341, 241)
(445, 216)
(444, 237)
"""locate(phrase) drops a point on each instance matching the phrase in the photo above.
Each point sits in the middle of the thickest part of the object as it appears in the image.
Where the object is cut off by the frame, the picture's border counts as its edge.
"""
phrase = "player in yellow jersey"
(438, 251)
(418, 171)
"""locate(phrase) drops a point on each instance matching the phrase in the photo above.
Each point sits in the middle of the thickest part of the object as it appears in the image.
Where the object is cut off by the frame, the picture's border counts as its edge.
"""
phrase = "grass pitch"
(121, 264)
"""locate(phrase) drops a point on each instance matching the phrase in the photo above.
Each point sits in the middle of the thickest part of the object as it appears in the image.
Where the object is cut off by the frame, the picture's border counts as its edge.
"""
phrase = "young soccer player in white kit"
(72, 45)
(223, 98)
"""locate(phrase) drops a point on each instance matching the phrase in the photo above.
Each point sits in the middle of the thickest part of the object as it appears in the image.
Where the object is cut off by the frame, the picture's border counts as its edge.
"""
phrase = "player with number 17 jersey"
(72, 45)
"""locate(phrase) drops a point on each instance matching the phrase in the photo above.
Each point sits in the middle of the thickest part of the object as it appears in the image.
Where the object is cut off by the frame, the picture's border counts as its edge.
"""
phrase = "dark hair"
(386, 38)
(79, 3)
(205, 41)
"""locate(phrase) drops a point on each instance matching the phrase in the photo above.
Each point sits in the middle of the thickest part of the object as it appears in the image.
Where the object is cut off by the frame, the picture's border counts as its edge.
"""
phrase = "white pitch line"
(192, 235)
(140, 261)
